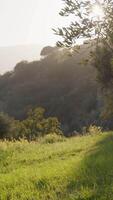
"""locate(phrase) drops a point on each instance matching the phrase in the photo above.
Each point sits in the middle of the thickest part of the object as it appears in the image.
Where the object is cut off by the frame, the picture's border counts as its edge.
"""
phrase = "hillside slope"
(76, 169)
(62, 84)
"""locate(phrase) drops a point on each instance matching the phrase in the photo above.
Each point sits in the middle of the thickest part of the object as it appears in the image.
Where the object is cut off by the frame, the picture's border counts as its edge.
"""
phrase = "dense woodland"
(63, 83)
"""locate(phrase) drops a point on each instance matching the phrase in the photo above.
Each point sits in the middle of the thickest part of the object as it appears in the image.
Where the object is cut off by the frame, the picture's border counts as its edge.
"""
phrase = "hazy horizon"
(27, 24)
(11, 55)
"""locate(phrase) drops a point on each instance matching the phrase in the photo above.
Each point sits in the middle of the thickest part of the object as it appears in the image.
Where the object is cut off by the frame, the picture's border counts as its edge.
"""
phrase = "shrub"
(52, 138)
(36, 125)
(93, 129)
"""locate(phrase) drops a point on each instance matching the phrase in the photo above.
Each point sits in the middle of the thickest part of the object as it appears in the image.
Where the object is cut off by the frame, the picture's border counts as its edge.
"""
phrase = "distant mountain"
(10, 56)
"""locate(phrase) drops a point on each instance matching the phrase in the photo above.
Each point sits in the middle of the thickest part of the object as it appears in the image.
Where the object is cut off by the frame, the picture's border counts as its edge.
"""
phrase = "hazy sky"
(29, 21)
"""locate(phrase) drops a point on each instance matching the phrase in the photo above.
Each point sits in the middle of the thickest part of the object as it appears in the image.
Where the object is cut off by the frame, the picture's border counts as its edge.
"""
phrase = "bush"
(52, 138)
(93, 129)
(35, 125)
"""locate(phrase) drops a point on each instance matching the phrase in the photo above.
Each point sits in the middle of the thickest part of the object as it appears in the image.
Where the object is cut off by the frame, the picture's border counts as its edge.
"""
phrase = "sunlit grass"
(73, 169)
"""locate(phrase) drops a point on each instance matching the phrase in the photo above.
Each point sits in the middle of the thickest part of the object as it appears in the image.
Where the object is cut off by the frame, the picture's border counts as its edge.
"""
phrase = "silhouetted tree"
(85, 24)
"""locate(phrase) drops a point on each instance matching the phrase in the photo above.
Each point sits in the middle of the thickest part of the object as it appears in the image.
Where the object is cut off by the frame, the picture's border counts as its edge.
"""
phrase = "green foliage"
(92, 130)
(5, 125)
(52, 138)
(59, 83)
(103, 63)
(36, 125)
(84, 25)
(98, 29)
(79, 168)
(36, 114)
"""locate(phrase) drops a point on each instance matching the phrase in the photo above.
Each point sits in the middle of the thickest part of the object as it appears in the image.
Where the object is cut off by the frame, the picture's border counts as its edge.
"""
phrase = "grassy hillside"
(75, 169)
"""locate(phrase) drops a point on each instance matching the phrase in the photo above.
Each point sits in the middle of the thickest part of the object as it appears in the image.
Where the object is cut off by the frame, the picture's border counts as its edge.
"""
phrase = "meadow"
(78, 168)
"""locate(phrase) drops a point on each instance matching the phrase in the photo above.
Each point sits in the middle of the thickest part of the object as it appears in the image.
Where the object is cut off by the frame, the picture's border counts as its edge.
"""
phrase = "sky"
(25, 23)
(29, 21)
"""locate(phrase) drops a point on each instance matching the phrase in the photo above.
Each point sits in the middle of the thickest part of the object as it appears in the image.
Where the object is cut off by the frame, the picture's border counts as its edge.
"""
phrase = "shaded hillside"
(59, 83)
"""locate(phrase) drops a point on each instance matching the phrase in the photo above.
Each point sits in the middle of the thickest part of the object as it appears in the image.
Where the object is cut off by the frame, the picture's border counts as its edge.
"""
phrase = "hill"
(74, 169)
(11, 55)
(61, 83)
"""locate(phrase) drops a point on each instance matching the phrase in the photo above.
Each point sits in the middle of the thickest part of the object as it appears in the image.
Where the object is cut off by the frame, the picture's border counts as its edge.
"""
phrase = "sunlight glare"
(97, 11)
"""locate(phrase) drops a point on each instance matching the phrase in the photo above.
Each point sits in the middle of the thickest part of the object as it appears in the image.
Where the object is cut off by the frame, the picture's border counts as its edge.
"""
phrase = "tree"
(37, 125)
(5, 125)
(87, 25)
(36, 114)
(51, 125)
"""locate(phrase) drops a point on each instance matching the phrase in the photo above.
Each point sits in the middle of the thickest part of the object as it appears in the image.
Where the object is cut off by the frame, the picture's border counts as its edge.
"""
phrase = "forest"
(62, 83)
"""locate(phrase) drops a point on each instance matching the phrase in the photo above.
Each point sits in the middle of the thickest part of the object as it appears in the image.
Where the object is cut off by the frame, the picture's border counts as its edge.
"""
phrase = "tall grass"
(79, 168)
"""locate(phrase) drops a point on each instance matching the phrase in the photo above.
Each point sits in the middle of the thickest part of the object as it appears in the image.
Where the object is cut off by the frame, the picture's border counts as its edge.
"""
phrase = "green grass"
(74, 169)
